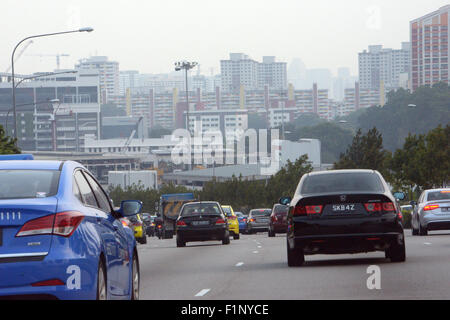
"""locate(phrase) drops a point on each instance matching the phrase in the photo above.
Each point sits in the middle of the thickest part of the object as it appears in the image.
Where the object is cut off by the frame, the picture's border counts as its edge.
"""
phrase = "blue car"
(242, 222)
(60, 237)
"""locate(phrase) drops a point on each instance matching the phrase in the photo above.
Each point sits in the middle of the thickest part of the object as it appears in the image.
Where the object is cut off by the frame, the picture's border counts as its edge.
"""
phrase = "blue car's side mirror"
(285, 200)
(130, 208)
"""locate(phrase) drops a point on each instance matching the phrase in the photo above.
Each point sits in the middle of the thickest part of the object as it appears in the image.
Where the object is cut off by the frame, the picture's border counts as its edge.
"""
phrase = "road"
(255, 268)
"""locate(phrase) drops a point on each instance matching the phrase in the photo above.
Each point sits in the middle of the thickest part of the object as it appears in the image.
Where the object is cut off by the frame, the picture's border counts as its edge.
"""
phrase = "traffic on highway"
(62, 238)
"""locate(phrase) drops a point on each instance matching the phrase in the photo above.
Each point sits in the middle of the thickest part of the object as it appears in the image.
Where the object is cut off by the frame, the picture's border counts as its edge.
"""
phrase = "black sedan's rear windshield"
(201, 209)
(342, 182)
(28, 184)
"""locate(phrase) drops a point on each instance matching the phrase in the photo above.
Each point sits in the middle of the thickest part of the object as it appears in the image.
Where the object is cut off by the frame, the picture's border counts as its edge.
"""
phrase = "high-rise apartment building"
(383, 67)
(272, 74)
(108, 72)
(430, 51)
(240, 70)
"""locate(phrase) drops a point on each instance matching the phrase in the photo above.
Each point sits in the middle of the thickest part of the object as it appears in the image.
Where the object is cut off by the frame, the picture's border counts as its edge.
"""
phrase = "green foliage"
(333, 137)
(244, 195)
(7, 143)
(424, 160)
(148, 196)
(365, 152)
(396, 120)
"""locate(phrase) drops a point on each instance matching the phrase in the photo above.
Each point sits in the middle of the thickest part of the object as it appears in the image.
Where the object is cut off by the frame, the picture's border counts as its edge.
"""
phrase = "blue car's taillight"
(61, 224)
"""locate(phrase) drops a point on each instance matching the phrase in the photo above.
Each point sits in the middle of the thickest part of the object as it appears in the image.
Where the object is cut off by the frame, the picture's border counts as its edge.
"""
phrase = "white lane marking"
(239, 264)
(255, 251)
(427, 243)
(203, 292)
(259, 247)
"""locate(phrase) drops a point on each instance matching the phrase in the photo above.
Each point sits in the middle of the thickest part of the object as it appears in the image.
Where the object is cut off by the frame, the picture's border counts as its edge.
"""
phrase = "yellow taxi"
(233, 223)
(137, 224)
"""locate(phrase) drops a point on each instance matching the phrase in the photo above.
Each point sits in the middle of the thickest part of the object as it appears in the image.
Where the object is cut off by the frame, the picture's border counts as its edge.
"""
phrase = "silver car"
(258, 220)
(431, 211)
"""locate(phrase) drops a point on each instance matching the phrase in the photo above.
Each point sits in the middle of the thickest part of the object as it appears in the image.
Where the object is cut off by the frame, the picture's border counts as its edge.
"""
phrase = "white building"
(60, 125)
(272, 73)
(382, 66)
(109, 75)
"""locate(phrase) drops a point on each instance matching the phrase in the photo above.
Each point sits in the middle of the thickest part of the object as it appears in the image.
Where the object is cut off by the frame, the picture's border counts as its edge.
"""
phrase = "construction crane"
(58, 57)
(20, 54)
(124, 149)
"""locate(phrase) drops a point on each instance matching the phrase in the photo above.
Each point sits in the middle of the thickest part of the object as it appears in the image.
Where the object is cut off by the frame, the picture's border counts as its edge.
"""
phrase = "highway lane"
(255, 267)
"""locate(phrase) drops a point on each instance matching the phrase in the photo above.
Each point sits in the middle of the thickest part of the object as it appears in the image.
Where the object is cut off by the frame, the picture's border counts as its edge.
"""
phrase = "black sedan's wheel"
(135, 279)
(180, 242)
(397, 252)
(236, 236)
(101, 282)
(271, 233)
(296, 257)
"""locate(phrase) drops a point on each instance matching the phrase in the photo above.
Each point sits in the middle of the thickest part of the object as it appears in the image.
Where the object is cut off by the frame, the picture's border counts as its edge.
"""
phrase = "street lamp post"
(184, 65)
(12, 68)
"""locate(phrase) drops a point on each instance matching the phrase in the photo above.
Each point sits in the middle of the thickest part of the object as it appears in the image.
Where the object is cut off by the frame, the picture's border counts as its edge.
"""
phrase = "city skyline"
(136, 47)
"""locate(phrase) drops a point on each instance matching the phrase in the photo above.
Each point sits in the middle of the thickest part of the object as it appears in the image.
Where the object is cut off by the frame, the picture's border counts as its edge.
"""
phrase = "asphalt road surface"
(255, 267)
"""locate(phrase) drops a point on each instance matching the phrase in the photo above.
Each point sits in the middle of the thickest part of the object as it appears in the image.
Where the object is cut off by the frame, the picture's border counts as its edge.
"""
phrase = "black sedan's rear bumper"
(337, 236)
(202, 233)
(346, 243)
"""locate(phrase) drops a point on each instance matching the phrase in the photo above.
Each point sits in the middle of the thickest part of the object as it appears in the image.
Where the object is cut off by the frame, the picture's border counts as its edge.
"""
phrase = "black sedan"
(343, 211)
(202, 221)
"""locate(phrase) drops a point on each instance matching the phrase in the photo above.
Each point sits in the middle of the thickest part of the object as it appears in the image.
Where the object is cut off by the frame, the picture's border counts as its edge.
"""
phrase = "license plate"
(200, 223)
(344, 207)
(445, 209)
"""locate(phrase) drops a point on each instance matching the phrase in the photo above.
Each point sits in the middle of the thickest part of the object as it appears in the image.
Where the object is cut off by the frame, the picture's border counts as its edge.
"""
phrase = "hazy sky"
(150, 35)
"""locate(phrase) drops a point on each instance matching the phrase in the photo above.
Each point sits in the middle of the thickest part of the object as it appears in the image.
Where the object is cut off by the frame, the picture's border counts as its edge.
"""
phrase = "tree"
(334, 139)
(7, 143)
(396, 120)
(365, 152)
(424, 160)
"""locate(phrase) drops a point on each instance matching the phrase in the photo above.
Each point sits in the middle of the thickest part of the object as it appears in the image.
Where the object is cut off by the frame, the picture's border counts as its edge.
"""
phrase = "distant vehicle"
(149, 224)
(431, 211)
(137, 224)
(258, 220)
(169, 210)
(278, 220)
(233, 223)
(61, 238)
(202, 221)
(344, 211)
(242, 219)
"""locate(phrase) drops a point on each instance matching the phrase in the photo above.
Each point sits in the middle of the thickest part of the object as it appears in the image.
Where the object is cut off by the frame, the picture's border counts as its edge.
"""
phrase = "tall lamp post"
(185, 65)
(12, 67)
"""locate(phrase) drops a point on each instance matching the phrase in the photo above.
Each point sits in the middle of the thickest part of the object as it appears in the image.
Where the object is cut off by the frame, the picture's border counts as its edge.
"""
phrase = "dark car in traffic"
(202, 221)
(343, 211)
(278, 220)
(258, 220)
(149, 224)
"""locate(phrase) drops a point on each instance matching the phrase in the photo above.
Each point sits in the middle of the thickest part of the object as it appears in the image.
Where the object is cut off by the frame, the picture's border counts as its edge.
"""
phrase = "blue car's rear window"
(28, 184)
